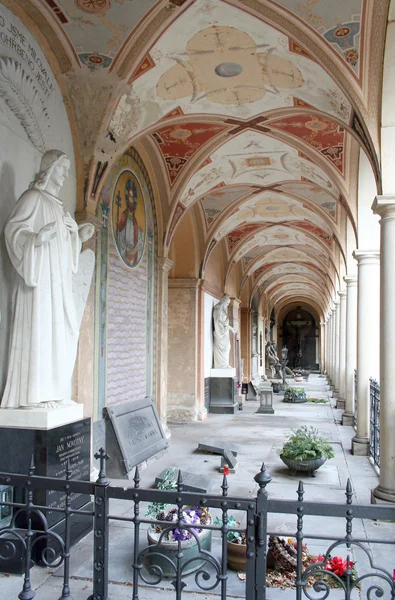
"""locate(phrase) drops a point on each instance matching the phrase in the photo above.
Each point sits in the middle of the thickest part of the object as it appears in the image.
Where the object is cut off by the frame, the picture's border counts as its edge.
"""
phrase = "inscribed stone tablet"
(218, 446)
(138, 431)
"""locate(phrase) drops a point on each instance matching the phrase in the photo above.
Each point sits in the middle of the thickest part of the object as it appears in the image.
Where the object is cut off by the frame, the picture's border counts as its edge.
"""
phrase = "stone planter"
(237, 556)
(169, 549)
(308, 466)
(292, 395)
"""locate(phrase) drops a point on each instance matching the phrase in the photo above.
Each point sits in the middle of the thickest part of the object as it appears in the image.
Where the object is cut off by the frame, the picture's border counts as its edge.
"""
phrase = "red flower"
(338, 565)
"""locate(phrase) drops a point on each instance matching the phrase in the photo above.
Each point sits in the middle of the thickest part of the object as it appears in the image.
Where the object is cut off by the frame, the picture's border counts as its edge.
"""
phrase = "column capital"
(384, 206)
(367, 257)
(165, 264)
(351, 280)
(342, 294)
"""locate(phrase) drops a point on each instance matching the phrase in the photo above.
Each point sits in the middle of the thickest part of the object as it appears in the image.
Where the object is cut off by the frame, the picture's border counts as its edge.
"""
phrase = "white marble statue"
(221, 334)
(51, 283)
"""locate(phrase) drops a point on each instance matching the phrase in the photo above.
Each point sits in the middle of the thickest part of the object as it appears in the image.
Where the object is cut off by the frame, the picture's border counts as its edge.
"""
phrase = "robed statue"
(221, 334)
(52, 279)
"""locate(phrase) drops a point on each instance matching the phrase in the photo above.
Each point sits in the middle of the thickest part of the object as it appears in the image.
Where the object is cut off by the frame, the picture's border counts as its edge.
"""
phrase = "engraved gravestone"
(133, 434)
(191, 482)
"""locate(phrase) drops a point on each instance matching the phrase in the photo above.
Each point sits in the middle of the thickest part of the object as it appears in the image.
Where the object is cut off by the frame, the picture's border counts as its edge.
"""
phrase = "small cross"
(102, 456)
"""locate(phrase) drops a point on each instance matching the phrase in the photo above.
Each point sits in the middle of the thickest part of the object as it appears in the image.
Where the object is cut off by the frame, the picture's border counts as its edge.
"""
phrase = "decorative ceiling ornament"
(226, 66)
(93, 7)
(22, 98)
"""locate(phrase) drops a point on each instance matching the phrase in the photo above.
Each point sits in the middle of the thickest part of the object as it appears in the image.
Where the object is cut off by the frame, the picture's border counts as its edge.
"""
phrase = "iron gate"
(211, 573)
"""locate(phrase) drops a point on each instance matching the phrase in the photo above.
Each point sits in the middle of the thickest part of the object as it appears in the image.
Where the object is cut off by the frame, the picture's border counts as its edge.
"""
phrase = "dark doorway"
(300, 338)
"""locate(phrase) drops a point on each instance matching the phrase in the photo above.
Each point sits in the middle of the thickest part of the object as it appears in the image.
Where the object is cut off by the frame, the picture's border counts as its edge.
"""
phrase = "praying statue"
(221, 334)
(52, 282)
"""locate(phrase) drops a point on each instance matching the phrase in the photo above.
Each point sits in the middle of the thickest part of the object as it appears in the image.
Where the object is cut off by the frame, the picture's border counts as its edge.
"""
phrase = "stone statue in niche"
(52, 282)
(221, 334)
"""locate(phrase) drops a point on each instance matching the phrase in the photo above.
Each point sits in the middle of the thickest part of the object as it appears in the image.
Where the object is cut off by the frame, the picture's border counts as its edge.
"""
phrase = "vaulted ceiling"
(254, 110)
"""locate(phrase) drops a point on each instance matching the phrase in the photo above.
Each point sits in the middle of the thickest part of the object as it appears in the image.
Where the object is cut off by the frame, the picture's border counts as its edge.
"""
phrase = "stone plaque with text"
(138, 434)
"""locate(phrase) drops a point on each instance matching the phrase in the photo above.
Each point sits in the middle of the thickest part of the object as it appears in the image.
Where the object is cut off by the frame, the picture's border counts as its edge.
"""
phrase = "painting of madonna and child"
(128, 217)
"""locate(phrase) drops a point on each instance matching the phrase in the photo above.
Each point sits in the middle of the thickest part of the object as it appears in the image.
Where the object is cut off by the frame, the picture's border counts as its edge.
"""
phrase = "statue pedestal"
(51, 447)
(223, 391)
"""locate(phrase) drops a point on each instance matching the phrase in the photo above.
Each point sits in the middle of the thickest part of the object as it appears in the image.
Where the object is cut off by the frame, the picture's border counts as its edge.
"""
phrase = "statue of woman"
(44, 244)
(221, 334)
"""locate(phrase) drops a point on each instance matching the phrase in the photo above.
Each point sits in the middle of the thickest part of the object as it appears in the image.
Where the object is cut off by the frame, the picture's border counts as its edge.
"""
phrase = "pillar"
(337, 345)
(184, 403)
(329, 344)
(322, 345)
(351, 348)
(245, 340)
(342, 350)
(164, 266)
(385, 491)
(368, 341)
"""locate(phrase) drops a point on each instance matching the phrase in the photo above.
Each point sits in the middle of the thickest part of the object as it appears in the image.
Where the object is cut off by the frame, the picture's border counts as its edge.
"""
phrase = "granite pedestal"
(223, 391)
(51, 448)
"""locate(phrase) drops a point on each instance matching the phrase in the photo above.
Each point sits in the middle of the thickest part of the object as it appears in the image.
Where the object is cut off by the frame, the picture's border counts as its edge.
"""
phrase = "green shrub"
(306, 443)
(293, 394)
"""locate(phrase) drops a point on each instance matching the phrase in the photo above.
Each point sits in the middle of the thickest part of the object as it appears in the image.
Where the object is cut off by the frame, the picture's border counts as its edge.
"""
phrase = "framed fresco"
(128, 218)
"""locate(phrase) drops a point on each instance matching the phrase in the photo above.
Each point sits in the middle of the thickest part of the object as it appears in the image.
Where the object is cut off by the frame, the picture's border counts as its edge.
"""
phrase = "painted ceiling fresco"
(216, 201)
(323, 198)
(98, 28)
(320, 133)
(254, 158)
(339, 23)
(270, 207)
(179, 143)
(218, 59)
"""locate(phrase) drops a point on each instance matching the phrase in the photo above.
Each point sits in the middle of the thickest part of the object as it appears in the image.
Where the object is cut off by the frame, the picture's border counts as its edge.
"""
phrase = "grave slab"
(218, 446)
(191, 482)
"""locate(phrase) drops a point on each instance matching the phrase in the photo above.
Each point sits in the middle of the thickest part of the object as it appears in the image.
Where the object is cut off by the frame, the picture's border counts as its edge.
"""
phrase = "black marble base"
(51, 449)
(223, 395)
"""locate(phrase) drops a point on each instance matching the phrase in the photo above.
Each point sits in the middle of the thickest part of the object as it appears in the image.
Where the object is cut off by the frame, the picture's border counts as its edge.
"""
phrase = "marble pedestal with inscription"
(223, 391)
(51, 448)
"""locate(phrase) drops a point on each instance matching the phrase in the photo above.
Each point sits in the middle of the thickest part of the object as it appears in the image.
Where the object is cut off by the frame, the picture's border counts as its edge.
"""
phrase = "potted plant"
(305, 450)
(236, 545)
(293, 394)
(164, 539)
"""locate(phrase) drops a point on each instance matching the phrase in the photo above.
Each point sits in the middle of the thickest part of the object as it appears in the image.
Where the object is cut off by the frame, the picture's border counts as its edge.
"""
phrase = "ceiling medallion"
(228, 69)
(95, 7)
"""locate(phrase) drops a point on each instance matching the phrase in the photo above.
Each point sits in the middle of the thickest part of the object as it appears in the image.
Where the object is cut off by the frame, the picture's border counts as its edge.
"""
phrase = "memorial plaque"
(207, 392)
(191, 482)
(218, 446)
(134, 435)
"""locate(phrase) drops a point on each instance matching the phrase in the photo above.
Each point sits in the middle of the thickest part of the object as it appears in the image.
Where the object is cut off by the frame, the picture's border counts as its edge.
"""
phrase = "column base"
(340, 403)
(166, 430)
(348, 419)
(382, 495)
(360, 446)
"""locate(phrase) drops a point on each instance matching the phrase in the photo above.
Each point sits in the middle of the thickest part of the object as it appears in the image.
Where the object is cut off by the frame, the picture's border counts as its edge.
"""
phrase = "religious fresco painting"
(126, 293)
(128, 218)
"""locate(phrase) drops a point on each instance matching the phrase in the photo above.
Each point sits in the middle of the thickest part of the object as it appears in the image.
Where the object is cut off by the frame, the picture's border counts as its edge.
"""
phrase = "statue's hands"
(86, 231)
(46, 234)
(71, 225)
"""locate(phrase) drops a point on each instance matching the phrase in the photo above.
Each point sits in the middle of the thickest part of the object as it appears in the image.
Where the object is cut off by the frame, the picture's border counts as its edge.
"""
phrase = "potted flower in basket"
(164, 539)
(236, 545)
(293, 394)
(305, 450)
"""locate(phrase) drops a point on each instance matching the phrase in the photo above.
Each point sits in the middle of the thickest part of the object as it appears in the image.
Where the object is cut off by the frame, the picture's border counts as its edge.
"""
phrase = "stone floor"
(259, 437)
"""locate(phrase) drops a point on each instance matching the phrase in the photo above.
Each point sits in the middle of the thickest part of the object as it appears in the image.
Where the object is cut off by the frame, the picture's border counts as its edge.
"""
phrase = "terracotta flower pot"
(237, 556)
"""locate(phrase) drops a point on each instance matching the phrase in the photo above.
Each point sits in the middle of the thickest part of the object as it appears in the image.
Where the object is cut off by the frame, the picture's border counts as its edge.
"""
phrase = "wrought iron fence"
(375, 421)
(151, 562)
(355, 398)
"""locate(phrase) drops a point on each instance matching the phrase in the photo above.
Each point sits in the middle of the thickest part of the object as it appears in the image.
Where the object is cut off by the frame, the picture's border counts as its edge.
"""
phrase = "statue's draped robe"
(45, 329)
(221, 337)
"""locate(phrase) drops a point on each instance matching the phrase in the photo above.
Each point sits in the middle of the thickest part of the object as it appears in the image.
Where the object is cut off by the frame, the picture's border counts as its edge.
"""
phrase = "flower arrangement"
(337, 565)
(293, 394)
(305, 443)
(191, 515)
(235, 537)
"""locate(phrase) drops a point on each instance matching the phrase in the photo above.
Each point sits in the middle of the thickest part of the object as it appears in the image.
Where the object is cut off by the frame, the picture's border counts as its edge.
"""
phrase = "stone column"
(329, 344)
(322, 345)
(368, 322)
(164, 266)
(333, 345)
(351, 348)
(342, 350)
(336, 338)
(385, 491)
(245, 340)
(184, 373)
